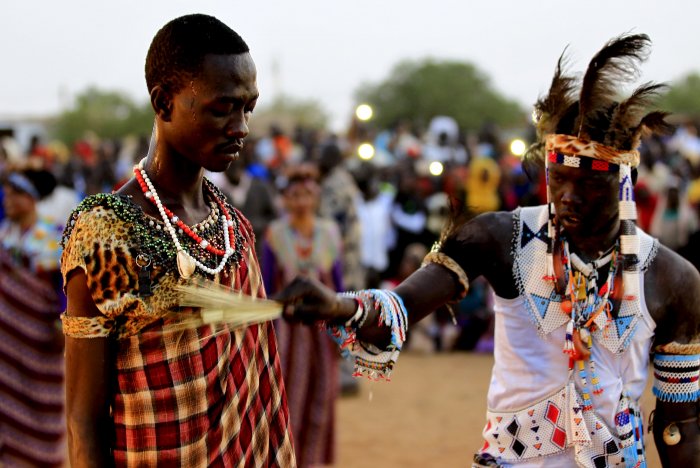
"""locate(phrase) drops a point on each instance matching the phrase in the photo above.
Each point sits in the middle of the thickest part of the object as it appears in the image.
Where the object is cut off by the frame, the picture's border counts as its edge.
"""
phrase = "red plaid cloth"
(204, 397)
(211, 396)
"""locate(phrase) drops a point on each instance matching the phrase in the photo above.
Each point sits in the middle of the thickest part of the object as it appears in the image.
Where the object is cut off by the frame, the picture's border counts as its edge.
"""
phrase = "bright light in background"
(435, 168)
(365, 151)
(364, 112)
(517, 147)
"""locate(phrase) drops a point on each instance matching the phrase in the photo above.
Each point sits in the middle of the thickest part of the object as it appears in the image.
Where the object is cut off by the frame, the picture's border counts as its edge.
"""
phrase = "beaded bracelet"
(369, 360)
(353, 322)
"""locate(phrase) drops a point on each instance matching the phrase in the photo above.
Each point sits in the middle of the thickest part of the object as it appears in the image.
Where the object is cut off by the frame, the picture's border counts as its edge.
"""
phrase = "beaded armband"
(440, 258)
(87, 327)
(369, 360)
(676, 377)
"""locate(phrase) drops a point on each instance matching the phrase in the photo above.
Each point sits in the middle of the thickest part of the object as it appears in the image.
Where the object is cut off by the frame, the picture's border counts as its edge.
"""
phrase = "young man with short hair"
(139, 393)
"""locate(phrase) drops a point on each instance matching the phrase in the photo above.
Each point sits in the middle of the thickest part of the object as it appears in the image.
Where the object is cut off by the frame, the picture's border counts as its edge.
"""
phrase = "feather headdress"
(593, 111)
(617, 62)
(599, 125)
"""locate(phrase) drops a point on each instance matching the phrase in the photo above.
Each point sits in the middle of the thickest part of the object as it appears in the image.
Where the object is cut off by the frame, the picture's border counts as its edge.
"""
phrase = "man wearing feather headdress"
(581, 294)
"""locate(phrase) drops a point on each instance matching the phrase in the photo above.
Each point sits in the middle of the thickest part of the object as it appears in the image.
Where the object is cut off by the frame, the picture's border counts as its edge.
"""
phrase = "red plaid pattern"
(201, 397)
(210, 396)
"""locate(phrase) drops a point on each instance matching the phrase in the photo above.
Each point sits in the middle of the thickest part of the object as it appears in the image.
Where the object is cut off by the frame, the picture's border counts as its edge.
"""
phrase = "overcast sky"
(326, 49)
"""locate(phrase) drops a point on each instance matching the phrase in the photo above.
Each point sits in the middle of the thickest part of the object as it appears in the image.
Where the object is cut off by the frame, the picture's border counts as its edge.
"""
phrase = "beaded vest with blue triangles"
(530, 242)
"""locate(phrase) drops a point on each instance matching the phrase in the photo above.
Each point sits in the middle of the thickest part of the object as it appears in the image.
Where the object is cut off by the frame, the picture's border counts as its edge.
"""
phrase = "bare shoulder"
(482, 246)
(488, 228)
(672, 292)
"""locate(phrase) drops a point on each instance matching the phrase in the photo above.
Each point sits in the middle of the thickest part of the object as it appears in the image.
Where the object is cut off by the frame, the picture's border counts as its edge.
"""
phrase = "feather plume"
(652, 123)
(550, 109)
(548, 112)
(616, 62)
(628, 115)
(214, 303)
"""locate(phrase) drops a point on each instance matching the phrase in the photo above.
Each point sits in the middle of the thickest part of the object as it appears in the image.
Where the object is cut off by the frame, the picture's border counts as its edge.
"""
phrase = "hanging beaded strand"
(628, 234)
(587, 304)
(551, 231)
(185, 261)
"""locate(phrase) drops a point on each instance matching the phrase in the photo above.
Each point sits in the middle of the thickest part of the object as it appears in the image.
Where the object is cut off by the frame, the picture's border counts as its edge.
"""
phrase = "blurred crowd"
(391, 204)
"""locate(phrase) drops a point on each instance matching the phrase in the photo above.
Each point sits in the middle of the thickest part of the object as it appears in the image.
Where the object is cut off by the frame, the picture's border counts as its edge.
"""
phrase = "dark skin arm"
(672, 287)
(480, 246)
(88, 361)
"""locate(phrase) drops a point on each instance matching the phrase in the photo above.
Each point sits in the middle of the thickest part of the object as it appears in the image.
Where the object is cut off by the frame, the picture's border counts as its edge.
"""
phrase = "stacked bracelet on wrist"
(369, 360)
(359, 317)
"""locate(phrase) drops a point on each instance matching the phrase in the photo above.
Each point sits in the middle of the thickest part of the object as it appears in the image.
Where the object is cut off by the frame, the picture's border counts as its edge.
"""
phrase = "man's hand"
(308, 300)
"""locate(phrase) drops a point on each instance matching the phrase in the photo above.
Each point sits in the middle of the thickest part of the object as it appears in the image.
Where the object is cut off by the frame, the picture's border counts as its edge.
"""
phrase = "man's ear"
(162, 102)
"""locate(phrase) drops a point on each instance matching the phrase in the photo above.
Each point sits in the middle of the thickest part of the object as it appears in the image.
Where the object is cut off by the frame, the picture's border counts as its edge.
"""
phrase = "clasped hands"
(307, 300)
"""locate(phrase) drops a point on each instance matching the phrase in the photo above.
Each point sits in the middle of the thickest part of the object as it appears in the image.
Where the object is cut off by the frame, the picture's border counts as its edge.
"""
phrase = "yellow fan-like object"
(214, 303)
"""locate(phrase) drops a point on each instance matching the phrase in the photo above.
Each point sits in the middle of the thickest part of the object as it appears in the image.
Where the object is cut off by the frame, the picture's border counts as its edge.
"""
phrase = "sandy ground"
(430, 414)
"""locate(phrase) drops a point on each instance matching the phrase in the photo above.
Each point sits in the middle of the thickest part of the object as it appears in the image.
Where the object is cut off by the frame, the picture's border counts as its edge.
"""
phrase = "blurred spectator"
(404, 143)
(674, 220)
(409, 215)
(58, 206)
(474, 316)
(646, 204)
(482, 185)
(303, 244)
(373, 211)
(442, 142)
(438, 205)
(32, 421)
(275, 150)
(339, 198)
(249, 190)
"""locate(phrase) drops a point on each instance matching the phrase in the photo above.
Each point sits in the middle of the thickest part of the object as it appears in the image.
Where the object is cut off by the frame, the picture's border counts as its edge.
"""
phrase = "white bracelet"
(358, 313)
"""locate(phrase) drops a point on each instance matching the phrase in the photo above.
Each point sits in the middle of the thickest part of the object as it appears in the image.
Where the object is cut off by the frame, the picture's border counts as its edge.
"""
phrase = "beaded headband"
(573, 152)
(582, 162)
(571, 145)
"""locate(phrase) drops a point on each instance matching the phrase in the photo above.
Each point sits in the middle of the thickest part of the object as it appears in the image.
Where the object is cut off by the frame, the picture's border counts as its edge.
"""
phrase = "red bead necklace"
(204, 244)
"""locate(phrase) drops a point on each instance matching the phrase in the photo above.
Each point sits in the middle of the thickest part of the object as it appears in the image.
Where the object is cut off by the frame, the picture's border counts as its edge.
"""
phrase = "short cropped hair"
(178, 49)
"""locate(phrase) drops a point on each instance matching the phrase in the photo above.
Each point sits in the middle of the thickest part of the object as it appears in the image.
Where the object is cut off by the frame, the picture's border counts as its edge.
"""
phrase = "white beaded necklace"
(185, 262)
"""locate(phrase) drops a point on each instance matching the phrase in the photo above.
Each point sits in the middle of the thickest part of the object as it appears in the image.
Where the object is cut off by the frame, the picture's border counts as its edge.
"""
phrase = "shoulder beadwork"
(122, 206)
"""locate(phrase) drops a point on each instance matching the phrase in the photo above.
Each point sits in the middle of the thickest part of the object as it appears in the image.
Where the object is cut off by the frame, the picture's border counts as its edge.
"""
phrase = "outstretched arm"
(479, 247)
(675, 304)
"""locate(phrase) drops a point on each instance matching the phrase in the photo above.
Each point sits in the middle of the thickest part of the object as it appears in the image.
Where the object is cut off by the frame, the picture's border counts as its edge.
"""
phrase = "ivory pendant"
(671, 434)
(185, 265)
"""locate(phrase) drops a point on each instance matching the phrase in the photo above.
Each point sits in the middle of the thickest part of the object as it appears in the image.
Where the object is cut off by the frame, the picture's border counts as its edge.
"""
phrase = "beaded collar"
(152, 240)
(544, 301)
(186, 261)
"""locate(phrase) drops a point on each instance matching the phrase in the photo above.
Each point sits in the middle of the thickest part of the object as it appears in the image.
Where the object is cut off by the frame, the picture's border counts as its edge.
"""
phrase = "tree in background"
(421, 90)
(683, 97)
(109, 114)
(287, 112)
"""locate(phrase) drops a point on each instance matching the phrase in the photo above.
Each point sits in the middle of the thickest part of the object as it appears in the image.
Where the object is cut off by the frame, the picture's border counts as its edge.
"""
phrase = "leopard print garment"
(105, 236)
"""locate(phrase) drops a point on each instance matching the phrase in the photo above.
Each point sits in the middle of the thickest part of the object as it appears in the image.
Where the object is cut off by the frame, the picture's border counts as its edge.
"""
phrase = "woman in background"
(300, 243)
